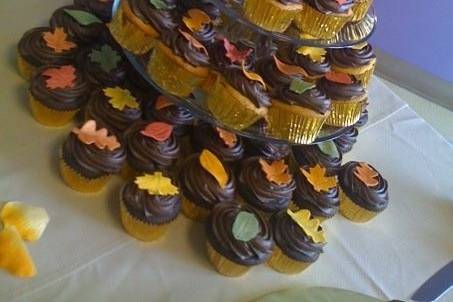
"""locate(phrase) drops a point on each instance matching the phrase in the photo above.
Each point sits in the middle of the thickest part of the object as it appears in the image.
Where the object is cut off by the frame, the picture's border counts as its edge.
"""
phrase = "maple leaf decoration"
(60, 77)
(315, 54)
(230, 139)
(196, 19)
(58, 40)
(158, 130)
(156, 184)
(276, 172)
(88, 135)
(366, 174)
(235, 55)
(339, 77)
(120, 98)
(106, 57)
(289, 70)
(162, 102)
(311, 227)
(317, 177)
(194, 42)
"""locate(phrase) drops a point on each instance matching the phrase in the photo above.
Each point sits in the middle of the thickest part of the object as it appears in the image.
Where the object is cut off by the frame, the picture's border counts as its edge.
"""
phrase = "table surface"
(85, 255)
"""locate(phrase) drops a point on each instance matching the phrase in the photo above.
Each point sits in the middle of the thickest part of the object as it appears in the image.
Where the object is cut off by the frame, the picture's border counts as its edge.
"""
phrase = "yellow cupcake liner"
(345, 113)
(26, 70)
(139, 229)
(172, 73)
(49, 117)
(192, 211)
(223, 265)
(362, 73)
(317, 24)
(131, 32)
(271, 14)
(361, 9)
(128, 173)
(284, 264)
(354, 212)
(79, 183)
(232, 108)
(294, 123)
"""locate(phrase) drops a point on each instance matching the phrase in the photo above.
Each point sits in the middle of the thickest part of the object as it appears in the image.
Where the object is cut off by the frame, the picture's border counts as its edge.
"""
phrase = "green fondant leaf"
(159, 4)
(329, 148)
(245, 226)
(106, 57)
(82, 17)
(298, 86)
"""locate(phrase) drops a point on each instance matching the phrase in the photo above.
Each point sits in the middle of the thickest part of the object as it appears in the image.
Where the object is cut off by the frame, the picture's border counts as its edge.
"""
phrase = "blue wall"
(419, 32)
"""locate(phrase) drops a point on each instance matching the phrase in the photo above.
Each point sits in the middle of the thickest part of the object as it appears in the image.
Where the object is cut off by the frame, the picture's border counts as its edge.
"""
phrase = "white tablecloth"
(85, 255)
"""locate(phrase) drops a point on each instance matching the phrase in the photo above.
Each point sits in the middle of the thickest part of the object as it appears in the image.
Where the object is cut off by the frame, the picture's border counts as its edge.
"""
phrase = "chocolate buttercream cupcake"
(313, 99)
(100, 8)
(342, 91)
(268, 150)
(346, 141)
(162, 20)
(325, 153)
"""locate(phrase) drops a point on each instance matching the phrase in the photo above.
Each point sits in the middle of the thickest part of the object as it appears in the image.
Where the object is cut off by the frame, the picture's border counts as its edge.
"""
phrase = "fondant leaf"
(230, 139)
(106, 57)
(311, 227)
(359, 46)
(58, 40)
(245, 226)
(253, 76)
(276, 172)
(235, 55)
(317, 177)
(156, 184)
(120, 98)
(196, 19)
(88, 134)
(162, 102)
(82, 17)
(60, 77)
(159, 4)
(329, 148)
(194, 42)
(29, 221)
(214, 166)
(159, 131)
(289, 70)
(341, 2)
(339, 77)
(298, 86)
(366, 174)
(316, 54)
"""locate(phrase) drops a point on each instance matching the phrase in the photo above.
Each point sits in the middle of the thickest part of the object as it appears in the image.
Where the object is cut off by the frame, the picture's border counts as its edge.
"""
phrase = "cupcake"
(317, 192)
(358, 61)
(299, 240)
(227, 146)
(272, 15)
(364, 192)
(151, 147)
(179, 64)
(44, 46)
(238, 238)
(360, 9)
(149, 204)
(277, 73)
(100, 8)
(56, 94)
(89, 157)
(199, 24)
(267, 186)
(346, 141)
(323, 19)
(204, 182)
(114, 108)
(138, 23)
(325, 153)
(81, 25)
(348, 98)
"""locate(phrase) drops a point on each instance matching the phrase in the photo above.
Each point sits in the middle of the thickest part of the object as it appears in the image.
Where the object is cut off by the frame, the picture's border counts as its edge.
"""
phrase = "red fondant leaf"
(339, 77)
(162, 102)
(194, 42)
(88, 134)
(60, 77)
(158, 130)
(290, 70)
(58, 40)
(235, 55)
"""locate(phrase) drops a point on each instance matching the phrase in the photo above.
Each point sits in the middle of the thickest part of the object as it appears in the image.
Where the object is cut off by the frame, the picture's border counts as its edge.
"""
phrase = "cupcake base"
(49, 117)
(360, 9)
(79, 183)
(283, 264)
(354, 212)
(192, 211)
(223, 265)
(345, 113)
(26, 70)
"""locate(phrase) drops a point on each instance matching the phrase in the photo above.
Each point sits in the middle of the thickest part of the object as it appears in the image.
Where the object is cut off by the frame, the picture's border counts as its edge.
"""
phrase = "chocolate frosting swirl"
(102, 9)
(292, 240)
(178, 116)
(272, 75)
(100, 110)
(269, 150)
(201, 188)
(314, 99)
(209, 8)
(220, 235)
(346, 141)
(261, 193)
(65, 99)
(331, 6)
(146, 154)
(183, 48)
(221, 62)
(161, 20)
(374, 199)
(289, 55)
(338, 91)
(350, 57)
(310, 155)
(154, 209)
(206, 136)
(322, 204)
(90, 161)
(34, 50)
(363, 119)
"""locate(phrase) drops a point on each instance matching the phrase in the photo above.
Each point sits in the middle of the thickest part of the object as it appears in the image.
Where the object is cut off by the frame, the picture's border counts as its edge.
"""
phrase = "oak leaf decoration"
(230, 139)
(58, 40)
(311, 227)
(214, 166)
(156, 184)
(158, 131)
(88, 135)
(120, 98)
(316, 54)
(318, 178)
(289, 70)
(339, 77)
(194, 42)
(60, 77)
(276, 172)
(235, 55)
(196, 19)
(366, 174)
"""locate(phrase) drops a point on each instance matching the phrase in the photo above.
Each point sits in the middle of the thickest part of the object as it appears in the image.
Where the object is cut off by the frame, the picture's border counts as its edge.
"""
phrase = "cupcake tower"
(261, 201)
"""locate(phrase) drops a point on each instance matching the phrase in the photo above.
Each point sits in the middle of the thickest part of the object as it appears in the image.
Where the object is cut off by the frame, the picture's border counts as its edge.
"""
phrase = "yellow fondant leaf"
(195, 19)
(311, 227)
(120, 98)
(156, 184)
(253, 76)
(214, 166)
(315, 54)
(317, 177)
(359, 46)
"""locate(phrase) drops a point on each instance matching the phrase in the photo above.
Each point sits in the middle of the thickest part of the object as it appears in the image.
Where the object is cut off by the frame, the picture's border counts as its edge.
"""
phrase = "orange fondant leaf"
(60, 77)
(194, 42)
(289, 70)
(235, 55)
(253, 76)
(339, 77)
(88, 134)
(214, 166)
(120, 98)
(57, 40)
(317, 177)
(196, 19)
(159, 131)
(276, 172)
(311, 227)
(230, 139)
(366, 174)
(162, 102)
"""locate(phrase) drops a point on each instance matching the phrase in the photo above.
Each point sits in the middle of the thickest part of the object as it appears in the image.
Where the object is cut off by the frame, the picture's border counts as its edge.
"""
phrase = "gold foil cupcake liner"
(49, 117)
(231, 107)
(324, 26)
(139, 229)
(361, 9)
(79, 183)
(284, 264)
(172, 73)
(223, 265)
(131, 32)
(271, 14)
(294, 123)
(26, 70)
(208, 84)
(345, 113)
(354, 212)
(362, 73)
(192, 211)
